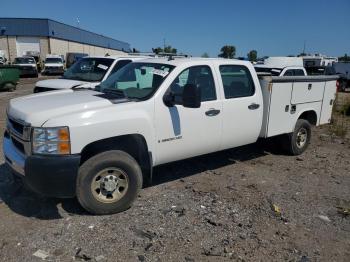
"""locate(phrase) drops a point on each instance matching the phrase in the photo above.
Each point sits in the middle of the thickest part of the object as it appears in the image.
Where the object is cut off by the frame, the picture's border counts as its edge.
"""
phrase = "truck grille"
(19, 128)
(19, 145)
(19, 132)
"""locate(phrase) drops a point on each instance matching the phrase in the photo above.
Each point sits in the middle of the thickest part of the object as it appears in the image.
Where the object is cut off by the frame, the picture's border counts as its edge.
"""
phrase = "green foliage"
(344, 58)
(167, 49)
(205, 55)
(252, 55)
(228, 51)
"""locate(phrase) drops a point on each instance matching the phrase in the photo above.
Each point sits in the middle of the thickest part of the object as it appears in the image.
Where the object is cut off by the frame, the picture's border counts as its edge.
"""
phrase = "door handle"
(212, 112)
(253, 106)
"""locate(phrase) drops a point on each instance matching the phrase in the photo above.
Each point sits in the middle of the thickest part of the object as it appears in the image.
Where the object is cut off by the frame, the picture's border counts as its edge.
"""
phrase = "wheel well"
(310, 116)
(134, 144)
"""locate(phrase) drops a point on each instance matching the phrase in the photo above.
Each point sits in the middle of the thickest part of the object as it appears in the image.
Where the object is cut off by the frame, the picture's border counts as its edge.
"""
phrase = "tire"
(10, 87)
(297, 142)
(124, 181)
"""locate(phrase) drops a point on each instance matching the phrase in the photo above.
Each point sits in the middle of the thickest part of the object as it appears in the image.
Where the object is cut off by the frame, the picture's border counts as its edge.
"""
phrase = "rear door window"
(299, 72)
(289, 73)
(237, 81)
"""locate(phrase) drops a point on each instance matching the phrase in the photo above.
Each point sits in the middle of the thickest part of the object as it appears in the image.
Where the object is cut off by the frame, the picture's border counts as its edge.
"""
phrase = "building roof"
(50, 28)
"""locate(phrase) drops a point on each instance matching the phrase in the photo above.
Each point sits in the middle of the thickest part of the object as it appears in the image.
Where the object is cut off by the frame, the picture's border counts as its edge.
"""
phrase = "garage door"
(27, 44)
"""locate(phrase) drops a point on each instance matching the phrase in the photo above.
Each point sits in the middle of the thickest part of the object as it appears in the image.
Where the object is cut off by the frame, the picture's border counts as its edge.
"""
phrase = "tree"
(252, 55)
(344, 58)
(167, 49)
(228, 51)
(205, 55)
(157, 50)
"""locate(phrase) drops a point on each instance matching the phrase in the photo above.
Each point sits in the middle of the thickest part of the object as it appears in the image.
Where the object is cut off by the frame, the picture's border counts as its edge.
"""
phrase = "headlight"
(52, 140)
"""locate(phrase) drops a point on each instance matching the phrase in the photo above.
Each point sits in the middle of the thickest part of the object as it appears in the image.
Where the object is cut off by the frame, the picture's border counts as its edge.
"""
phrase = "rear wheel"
(108, 182)
(297, 142)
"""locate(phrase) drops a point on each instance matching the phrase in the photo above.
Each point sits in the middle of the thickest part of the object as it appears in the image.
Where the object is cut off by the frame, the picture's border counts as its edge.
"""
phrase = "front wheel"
(108, 182)
(297, 142)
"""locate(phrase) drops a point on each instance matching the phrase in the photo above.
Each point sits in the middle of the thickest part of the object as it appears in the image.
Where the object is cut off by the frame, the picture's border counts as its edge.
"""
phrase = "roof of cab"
(114, 57)
(188, 60)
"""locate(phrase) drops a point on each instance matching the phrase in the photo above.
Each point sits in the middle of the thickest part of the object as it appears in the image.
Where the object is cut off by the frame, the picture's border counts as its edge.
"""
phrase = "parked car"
(343, 70)
(101, 146)
(36, 56)
(27, 66)
(53, 64)
(9, 76)
(87, 72)
(71, 58)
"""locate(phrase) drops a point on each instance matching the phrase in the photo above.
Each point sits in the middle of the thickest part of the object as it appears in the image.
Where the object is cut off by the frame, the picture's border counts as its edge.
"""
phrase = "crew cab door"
(185, 132)
(242, 106)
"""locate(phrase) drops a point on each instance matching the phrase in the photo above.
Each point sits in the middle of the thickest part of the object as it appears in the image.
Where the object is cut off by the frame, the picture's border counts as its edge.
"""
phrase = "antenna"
(304, 46)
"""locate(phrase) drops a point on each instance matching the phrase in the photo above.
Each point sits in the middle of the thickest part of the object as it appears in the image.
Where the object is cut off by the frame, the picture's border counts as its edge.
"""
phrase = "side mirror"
(191, 96)
(169, 99)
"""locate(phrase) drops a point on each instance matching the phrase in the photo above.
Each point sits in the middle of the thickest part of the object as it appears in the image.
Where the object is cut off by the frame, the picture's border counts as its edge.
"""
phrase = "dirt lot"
(218, 207)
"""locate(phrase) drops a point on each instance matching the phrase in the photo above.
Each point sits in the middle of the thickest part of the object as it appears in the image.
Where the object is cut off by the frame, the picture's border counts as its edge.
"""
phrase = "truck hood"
(33, 65)
(38, 108)
(60, 83)
(54, 64)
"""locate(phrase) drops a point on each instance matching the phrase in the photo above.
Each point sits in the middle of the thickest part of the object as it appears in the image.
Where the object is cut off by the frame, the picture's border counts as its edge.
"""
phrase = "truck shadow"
(188, 167)
(22, 201)
(26, 203)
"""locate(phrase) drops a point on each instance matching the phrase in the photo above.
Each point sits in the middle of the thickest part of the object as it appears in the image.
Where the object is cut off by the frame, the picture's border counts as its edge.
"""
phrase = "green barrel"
(9, 76)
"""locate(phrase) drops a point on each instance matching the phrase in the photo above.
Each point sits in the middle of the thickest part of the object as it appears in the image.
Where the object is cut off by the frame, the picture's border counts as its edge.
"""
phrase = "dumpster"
(9, 76)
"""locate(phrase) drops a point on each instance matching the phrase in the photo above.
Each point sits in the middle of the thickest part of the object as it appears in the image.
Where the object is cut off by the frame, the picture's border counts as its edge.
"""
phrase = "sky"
(272, 27)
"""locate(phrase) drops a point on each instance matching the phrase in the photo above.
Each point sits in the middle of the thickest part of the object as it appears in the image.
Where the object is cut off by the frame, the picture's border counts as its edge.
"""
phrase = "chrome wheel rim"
(109, 185)
(301, 137)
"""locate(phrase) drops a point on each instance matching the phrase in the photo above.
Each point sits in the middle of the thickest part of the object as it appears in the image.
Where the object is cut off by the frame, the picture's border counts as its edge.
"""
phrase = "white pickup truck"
(87, 72)
(101, 146)
(53, 64)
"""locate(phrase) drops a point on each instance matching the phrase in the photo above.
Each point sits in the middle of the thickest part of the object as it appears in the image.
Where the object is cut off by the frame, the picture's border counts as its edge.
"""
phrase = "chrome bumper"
(14, 158)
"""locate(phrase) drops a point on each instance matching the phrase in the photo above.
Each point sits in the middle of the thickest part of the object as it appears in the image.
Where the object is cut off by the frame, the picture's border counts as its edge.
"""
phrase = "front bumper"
(53, 70)
(52, 176)
(27, 71)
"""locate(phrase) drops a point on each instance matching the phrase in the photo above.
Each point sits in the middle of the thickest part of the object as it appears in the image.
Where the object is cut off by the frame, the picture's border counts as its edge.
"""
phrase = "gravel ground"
(247, 204)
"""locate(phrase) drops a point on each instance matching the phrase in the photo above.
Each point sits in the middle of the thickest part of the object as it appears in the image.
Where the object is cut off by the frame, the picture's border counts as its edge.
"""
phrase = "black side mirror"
(169, 99)
(191, 96)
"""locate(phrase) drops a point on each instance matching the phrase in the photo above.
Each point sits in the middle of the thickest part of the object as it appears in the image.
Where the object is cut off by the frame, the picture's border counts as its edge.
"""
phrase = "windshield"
(137, 80)
(53, 60)
(89, 69)
(24, 60)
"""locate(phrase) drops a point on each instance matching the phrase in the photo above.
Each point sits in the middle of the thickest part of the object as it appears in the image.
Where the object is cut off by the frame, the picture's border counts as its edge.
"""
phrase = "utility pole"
(163, 44)
(304, 46)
